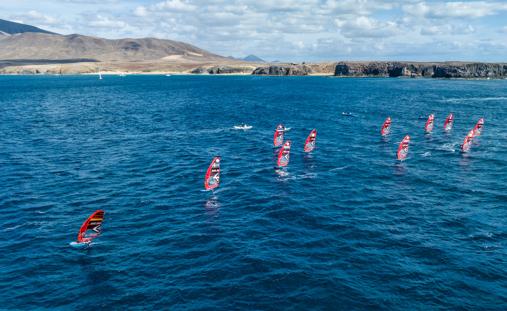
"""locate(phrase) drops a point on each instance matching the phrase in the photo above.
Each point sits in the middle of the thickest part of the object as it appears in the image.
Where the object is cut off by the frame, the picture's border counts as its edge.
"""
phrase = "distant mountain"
(26, 42)
(253, 58)
(8, 27)
(49, 46)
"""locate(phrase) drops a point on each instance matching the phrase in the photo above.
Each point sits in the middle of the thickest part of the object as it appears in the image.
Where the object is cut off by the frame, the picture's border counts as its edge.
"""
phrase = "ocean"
(346, 227)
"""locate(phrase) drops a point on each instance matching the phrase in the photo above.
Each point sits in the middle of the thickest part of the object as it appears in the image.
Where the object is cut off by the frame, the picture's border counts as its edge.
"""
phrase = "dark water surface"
(347, 228)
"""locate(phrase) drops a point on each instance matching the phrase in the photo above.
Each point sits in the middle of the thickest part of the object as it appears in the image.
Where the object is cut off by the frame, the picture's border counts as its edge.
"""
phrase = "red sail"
(212, 177)
(93, 223)
(278, 137)
(386, 127)
(478, 127)
(467, 142)
(403, 148)
(428, 127)
(310, 141)
(284, 154)
(448, 122)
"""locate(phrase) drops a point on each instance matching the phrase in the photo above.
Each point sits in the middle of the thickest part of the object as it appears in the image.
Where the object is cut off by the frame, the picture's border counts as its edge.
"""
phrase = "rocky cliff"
(283, 70)
(226, 69)
(430, 70)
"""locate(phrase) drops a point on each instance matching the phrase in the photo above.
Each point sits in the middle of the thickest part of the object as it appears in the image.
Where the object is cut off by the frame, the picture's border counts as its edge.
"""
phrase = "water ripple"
(346, 227)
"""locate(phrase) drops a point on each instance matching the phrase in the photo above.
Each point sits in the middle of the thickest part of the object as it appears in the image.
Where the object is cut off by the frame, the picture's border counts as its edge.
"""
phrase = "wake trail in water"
(339, 168)
(458, 100)
(450, 147)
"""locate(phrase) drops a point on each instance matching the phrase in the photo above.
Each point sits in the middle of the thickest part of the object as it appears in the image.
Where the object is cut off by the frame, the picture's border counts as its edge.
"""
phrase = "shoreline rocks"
(427, 70)
(283, 70)
(215, 70)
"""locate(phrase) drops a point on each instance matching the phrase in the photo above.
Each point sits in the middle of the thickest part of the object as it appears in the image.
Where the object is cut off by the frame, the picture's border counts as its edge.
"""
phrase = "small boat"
(100, 76)
(347, 114)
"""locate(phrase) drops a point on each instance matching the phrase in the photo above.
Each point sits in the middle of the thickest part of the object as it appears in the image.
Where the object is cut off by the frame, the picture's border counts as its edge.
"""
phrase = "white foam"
(456, 100)
(339, 168)
(448, 147)
(244, 127)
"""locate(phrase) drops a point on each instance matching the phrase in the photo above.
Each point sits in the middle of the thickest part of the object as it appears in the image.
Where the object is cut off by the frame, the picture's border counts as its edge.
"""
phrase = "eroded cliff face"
(215, 70)
(283, 70)
(430, 70)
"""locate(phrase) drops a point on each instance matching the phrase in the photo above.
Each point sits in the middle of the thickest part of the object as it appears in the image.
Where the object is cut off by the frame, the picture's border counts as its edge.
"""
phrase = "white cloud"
(141, 11)
(36, 17)
(361, 7)
(175, 5)
(447, 29)
(106, 22)
(366, 27)
(290, 29)
(472, 9)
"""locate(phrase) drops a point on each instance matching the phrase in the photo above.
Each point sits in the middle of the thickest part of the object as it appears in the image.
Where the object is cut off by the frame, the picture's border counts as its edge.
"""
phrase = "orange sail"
(91, 228)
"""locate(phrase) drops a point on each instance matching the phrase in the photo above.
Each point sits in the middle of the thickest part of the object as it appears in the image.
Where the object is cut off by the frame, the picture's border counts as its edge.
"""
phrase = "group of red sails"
(283, 155)
(92, 227)
(428, 128)
(212, 176)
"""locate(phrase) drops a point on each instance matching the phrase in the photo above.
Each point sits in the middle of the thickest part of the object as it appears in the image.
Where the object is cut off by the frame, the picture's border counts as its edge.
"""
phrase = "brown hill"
(32, 45)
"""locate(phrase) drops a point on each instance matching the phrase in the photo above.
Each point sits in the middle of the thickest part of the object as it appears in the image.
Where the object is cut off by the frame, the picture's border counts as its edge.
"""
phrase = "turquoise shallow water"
(347, 227)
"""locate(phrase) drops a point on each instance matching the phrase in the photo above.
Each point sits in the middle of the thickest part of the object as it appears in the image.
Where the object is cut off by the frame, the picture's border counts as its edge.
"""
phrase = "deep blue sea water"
(347, 228)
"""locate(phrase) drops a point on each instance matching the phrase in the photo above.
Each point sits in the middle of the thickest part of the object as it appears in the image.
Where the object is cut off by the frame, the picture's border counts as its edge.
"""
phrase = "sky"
(289, 30)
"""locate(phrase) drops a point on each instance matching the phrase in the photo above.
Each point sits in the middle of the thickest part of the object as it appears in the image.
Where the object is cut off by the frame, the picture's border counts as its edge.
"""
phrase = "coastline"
(394, 69)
